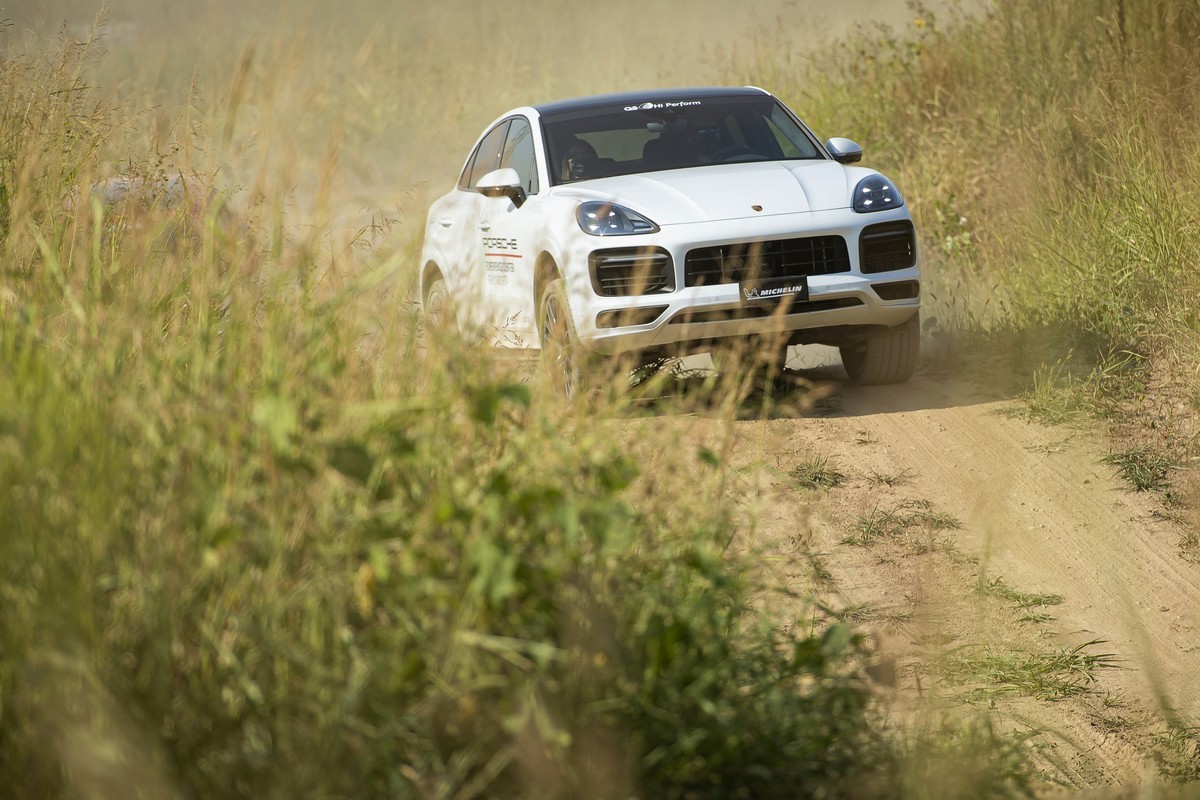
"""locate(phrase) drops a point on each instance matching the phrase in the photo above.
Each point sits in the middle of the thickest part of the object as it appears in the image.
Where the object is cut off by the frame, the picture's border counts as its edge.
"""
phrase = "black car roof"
(623, 99)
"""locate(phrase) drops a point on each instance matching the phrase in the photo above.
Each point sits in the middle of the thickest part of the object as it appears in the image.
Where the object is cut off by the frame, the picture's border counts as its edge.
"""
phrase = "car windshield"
(605, 142)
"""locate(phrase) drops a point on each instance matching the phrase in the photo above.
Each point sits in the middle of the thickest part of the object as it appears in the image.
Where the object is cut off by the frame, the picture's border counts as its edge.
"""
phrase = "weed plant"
(1048, 675)
(912, 523)
(1144, 470)
(1177, 754)
(997, 587)
(817, 473)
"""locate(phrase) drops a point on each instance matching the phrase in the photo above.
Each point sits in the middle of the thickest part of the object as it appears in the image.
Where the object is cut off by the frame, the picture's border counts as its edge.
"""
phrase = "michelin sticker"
(774, 292)
(779, 291)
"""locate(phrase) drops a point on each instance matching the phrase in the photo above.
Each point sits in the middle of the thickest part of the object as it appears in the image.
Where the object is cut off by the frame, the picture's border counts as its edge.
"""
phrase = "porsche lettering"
(495, 243)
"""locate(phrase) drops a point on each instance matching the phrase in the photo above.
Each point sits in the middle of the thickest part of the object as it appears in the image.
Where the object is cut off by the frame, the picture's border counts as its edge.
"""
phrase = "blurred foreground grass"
(264, 536)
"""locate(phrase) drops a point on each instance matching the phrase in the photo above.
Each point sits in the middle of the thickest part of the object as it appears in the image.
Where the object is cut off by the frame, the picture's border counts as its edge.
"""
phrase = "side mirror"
(503, 183)
(844, 151)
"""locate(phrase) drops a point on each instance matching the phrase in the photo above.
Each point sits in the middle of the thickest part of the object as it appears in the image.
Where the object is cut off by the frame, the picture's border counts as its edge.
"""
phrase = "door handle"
(446, 222)
(485, 226)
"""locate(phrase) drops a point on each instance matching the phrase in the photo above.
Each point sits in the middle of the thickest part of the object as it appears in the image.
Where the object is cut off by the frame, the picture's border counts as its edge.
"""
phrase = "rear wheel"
(562, 355)
(889, 357)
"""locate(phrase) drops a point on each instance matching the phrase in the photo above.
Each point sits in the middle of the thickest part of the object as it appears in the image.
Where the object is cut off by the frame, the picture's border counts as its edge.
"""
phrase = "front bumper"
(840, 306)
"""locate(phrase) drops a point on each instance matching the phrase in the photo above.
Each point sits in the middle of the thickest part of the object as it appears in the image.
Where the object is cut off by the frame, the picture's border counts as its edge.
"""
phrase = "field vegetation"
(1050, 154)
(265, 534)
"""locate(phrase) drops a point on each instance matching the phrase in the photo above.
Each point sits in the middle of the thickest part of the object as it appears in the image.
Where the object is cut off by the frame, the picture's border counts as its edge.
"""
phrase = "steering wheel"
(731, 151)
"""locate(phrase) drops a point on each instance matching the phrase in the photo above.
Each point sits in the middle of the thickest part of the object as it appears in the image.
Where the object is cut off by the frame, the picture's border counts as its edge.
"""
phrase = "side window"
(787, 147)
(487, 157)
(792, 141)
(518, 154)
(760, 136)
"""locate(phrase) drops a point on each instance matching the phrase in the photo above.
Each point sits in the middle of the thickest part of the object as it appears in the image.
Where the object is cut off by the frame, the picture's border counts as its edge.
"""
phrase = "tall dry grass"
(263, 535)
(1048, 152)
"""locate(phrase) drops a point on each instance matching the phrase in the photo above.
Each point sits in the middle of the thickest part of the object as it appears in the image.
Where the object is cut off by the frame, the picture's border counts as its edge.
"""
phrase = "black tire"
(562, 354)
(890, 357)
(437, 303)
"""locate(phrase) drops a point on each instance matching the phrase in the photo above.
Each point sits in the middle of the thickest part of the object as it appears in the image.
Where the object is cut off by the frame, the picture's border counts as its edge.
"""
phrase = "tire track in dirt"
(1048, 515)
(1040, 510)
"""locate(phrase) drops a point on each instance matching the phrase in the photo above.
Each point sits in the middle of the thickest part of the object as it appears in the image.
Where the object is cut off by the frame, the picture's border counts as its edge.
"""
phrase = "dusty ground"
(957, 533)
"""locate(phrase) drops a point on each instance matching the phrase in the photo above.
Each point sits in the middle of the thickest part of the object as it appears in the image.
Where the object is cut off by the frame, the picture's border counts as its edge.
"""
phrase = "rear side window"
(486, 157)
(518, 154)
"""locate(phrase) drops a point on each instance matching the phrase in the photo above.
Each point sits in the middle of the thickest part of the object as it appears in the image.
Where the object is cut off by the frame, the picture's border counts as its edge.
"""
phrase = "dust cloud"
(403, 88)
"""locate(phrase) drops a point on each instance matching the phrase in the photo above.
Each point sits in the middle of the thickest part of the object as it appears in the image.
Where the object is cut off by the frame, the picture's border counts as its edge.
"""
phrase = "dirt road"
(971, 540)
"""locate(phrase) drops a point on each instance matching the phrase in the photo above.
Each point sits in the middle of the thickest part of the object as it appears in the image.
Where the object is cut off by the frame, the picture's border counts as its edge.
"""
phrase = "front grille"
(690, 316)
(627, 271)
(781, 258)
(887, 246)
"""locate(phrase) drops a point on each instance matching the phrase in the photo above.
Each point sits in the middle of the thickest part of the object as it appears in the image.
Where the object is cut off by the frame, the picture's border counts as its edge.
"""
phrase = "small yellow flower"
(920, 23)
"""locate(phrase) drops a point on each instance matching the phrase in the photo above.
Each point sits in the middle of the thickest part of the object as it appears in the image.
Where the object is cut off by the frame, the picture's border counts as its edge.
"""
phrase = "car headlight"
(606, 219)
(876, 193)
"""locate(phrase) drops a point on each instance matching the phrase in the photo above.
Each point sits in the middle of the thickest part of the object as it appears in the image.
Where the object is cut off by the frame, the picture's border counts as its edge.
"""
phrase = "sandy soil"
(943, 491)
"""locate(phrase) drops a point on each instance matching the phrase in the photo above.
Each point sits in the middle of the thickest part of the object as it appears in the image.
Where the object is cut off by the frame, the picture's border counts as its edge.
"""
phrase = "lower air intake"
(630, 271)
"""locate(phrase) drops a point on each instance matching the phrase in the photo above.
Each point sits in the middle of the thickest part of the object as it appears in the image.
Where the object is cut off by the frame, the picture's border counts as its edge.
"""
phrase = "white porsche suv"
(666, 222)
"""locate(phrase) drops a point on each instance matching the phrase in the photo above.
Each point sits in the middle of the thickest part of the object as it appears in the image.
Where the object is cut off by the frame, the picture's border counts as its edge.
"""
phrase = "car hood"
(726, 191)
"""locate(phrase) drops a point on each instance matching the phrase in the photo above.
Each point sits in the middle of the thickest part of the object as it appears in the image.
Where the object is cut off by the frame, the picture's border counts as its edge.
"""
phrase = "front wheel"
(889, 357)
(562, 354)
(437, 303)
